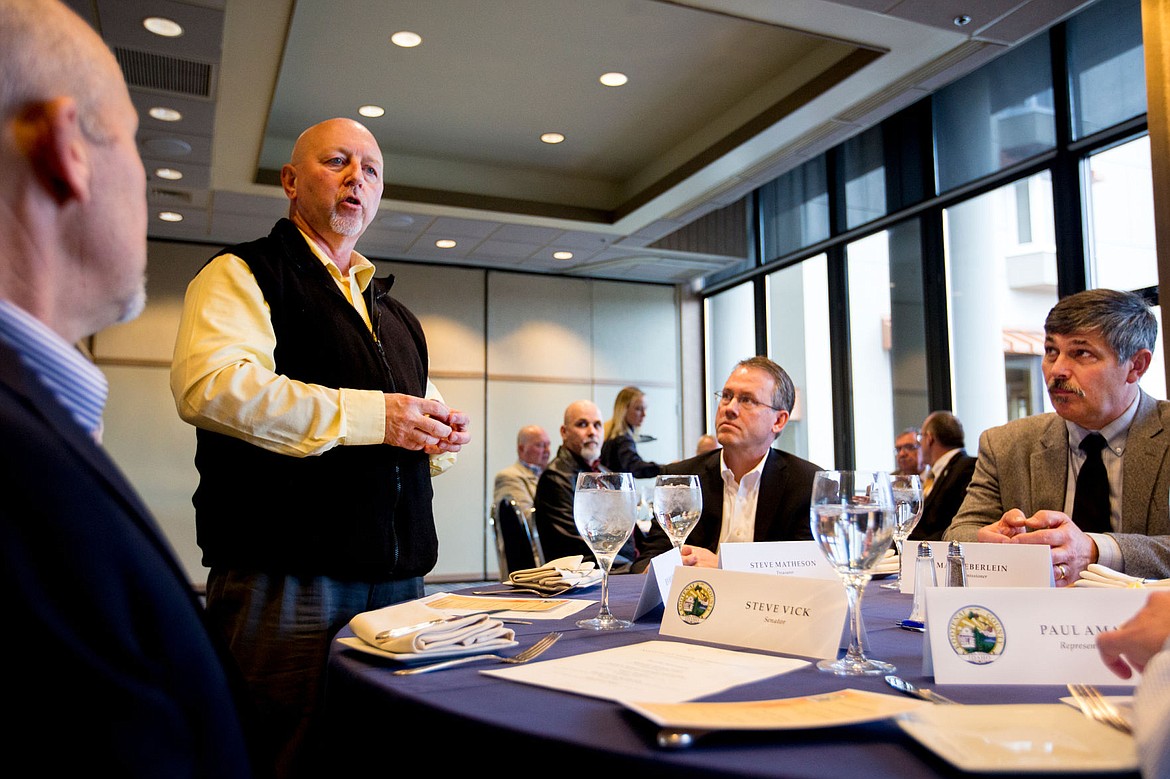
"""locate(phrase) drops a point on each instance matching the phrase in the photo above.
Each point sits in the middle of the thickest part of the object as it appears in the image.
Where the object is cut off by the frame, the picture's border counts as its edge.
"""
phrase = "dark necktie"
(1091, 501)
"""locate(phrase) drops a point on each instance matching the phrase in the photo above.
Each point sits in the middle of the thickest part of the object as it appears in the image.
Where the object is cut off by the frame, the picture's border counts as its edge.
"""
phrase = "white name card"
(657, 584)
(787, 558)
(1016, 635)
(987, 565)
(789, 614)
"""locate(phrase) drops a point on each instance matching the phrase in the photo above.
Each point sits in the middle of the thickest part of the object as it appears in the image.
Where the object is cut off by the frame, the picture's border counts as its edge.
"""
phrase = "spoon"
(901, 685)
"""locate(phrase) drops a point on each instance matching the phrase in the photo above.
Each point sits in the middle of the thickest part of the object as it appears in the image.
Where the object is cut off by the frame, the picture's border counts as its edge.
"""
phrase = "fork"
(530, 653)
(1094, 706)
(534, 591)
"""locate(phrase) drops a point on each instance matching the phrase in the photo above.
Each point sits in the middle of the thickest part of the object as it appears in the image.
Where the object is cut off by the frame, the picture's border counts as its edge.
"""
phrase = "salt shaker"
(923, 577)
(956, 568)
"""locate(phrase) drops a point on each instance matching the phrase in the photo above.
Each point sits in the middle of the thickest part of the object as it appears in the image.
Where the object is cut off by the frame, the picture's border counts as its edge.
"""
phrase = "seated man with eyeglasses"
(751, 491)
(908, 452)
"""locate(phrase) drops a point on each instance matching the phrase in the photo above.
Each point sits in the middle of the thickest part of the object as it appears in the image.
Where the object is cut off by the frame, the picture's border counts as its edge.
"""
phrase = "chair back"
(516, 544)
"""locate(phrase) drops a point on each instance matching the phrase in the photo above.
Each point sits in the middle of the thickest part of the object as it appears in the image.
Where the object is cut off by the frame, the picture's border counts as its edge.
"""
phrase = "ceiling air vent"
(168, 74)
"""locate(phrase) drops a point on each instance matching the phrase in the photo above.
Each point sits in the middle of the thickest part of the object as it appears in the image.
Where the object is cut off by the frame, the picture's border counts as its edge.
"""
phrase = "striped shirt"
(73, 380)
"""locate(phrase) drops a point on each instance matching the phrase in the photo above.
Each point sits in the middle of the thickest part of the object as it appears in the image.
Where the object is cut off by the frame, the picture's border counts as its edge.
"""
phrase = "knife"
(901, 685)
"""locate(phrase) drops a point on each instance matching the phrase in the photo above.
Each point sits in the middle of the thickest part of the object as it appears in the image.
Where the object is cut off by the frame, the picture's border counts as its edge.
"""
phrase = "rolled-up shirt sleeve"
(223, 374)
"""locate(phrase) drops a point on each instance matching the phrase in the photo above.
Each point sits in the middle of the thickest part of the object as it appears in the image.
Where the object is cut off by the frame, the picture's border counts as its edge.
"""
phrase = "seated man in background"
(706, 443)
(1090, 480)
(518, 480)
(945, 484)
(580, 451)
(908, 453)
(751, 491)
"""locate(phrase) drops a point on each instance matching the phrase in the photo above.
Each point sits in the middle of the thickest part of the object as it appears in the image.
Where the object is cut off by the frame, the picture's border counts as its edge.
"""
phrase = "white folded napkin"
(414, 627)
(890, 563)
(556, 575)
(1096, 575)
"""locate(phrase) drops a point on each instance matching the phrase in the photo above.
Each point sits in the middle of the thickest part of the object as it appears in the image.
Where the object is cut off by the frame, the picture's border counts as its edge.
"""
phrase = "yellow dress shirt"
(223, 374)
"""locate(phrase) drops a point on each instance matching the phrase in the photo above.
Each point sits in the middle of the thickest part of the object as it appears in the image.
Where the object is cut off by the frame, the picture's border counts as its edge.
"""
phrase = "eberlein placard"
(789, 614)
(987, 565)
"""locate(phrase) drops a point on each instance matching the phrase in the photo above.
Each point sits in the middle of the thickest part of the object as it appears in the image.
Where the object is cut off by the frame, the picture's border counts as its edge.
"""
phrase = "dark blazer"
(944, 499)
(621, 454)
(782, 508)
(108, 661)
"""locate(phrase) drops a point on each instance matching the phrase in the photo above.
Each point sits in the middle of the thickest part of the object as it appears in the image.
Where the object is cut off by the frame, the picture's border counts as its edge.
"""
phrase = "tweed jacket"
(1024, 465)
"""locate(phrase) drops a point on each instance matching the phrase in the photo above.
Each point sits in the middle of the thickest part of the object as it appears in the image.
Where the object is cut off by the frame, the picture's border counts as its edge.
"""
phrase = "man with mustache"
(1029, 472)
(752, 491)
(307, 383)
(580, 451)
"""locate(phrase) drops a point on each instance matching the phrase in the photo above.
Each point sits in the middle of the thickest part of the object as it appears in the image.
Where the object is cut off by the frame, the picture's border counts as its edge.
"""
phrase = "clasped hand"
(424, 424)
(1071, 548)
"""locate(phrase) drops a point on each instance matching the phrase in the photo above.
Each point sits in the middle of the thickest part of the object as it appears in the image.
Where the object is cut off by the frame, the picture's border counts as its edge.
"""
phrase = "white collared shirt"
(739, 503)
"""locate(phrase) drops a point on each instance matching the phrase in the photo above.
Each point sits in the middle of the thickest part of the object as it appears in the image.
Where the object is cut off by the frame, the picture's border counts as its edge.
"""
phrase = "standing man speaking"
(308, 385)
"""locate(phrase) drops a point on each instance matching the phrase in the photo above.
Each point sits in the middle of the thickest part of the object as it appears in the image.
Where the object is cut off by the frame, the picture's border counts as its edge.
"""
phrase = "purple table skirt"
(489, 725)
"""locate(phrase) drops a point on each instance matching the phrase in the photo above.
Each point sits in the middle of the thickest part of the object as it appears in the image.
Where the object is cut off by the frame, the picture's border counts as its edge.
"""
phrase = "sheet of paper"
(1024, 635)
(786, 558)
(832, 709)
(656, 671)
(507, 607)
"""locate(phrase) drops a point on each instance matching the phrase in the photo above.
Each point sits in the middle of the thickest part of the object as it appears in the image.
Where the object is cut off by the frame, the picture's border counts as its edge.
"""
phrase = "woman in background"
(619, 451)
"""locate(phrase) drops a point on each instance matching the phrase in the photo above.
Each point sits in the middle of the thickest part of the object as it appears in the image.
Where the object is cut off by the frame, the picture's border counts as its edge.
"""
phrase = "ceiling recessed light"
(613, 79)
(170, 174)
(445, 243)
(164, 114)
(962, 20)
(406, 39)
(396, 220)
(167, 28)
(552, 137)
(170, 216)
(563, 255)
(372, 111)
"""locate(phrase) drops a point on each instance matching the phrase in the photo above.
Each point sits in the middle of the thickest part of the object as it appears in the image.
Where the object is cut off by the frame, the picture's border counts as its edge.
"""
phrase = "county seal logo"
(695, 602)
(976, 635)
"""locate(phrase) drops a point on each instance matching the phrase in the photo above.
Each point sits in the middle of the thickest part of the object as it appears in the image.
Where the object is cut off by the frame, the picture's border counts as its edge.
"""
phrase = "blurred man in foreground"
(111, 669)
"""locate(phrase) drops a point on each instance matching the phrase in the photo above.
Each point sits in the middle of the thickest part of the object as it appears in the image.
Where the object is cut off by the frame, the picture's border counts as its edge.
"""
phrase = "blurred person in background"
(619, 450)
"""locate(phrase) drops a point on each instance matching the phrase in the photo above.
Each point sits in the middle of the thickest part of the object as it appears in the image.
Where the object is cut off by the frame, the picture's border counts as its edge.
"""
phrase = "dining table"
(461, 720)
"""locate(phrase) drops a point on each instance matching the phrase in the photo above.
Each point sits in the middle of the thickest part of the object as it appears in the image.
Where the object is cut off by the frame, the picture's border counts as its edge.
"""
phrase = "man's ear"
(1138, 365)
(288, 180)
(49, 134)
(779, 422)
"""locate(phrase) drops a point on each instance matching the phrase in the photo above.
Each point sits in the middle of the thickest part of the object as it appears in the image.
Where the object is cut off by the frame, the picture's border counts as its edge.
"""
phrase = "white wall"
(510, 349)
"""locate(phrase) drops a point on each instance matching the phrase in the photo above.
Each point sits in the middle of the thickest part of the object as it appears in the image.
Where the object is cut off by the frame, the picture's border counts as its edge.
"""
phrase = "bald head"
(533, 445)
(581, 432)
(334, 184)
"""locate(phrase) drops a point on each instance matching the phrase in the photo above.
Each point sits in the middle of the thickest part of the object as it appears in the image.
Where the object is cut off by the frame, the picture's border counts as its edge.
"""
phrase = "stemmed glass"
(604, 507)
(678, 502)
(852, 516)
(907, 490)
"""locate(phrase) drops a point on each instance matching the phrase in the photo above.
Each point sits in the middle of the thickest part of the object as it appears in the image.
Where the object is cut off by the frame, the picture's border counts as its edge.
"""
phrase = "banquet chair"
(517, 544)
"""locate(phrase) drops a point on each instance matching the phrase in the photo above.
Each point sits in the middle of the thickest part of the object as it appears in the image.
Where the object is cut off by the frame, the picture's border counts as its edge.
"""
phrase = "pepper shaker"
(956, 568)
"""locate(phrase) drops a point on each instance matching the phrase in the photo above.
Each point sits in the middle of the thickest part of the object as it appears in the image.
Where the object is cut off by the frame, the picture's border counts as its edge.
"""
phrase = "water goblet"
(907, 490)
(604, 508)
(852, 516)
(678, 502)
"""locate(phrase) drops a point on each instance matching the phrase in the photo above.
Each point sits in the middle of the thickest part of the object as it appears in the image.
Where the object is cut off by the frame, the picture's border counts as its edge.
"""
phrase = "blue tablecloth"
(479, 723)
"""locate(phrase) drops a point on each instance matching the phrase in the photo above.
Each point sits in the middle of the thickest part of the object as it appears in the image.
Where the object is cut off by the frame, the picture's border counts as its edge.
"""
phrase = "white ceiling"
(724, 95)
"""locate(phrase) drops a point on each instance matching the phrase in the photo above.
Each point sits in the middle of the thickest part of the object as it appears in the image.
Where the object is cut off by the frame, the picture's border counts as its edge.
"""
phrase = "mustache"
(1063, 385)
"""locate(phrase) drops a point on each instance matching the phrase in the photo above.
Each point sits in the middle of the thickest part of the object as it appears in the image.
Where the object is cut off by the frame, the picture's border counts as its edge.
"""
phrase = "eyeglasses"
(746, 402)
(907, 448)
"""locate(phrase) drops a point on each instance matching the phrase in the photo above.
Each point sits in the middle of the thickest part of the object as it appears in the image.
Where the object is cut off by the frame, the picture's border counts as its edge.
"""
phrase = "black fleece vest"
(354, 512)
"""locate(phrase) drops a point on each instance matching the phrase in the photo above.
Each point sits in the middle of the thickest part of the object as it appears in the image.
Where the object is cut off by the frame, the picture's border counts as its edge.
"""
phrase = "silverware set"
(1095, 706)
(530, 653)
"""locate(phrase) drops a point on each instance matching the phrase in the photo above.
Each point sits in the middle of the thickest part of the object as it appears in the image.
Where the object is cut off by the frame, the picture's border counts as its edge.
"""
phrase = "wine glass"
(852, 516)
(678, 502)
(604, 507)
(907, 489)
